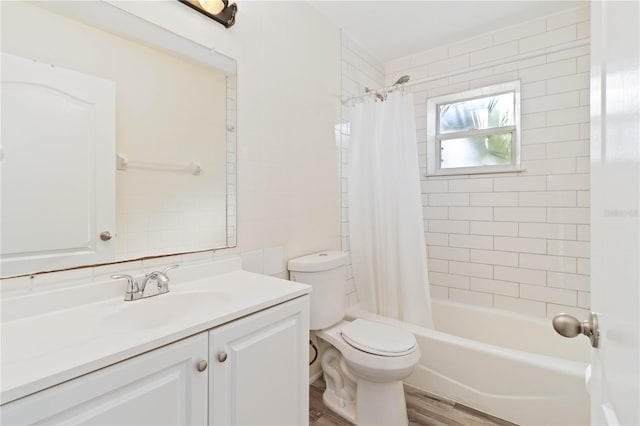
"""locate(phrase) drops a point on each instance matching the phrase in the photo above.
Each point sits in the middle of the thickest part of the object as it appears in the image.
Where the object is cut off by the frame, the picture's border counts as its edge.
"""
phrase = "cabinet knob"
(222, 356)
(202, 365)
(105, 236)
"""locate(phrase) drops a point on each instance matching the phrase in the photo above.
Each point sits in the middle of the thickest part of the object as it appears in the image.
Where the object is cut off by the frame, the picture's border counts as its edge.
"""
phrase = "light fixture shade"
(212, 6)
(221, 11)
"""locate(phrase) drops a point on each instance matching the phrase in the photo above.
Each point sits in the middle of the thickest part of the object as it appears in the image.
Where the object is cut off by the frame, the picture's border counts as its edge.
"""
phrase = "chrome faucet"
(161, 279)
(136, 292)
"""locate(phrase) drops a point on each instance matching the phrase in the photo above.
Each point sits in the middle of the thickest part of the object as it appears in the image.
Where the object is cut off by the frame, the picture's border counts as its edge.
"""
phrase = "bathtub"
(510, 366)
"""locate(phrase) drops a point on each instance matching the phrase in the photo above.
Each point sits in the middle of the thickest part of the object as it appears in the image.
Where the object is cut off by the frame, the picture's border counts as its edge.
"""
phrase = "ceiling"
(393, 29)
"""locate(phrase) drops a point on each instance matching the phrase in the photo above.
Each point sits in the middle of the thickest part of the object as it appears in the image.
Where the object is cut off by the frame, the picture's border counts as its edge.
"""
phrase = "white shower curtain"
(386, 227)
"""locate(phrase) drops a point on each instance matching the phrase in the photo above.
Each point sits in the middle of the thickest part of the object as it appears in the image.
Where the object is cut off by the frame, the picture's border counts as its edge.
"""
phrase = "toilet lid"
(378, 338)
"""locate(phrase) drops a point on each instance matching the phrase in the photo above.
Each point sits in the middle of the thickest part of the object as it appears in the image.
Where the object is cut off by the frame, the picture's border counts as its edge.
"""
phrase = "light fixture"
(218, 10)
(212, 6)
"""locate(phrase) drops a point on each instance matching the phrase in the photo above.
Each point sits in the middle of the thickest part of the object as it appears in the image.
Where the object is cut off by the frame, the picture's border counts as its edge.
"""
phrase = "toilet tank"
(326, 273)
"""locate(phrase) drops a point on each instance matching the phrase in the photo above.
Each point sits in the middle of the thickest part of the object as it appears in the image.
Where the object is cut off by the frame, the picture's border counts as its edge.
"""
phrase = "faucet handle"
(168, 268)
(163, 278)
(133, 290)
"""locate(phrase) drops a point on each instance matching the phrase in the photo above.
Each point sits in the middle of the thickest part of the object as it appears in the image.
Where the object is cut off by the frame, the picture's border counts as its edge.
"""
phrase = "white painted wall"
(512, 241)
(288, 103)
(288, 99)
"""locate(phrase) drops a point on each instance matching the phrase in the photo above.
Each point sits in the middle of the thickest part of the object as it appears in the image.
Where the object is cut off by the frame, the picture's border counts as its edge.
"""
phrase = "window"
(475, 131)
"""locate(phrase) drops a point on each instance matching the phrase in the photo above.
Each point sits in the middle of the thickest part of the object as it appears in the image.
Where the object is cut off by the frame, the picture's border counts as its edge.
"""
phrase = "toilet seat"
(377, 338)
(394, 363)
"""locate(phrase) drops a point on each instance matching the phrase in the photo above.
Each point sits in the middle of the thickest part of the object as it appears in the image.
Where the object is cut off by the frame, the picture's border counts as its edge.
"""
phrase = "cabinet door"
(161, 387)
(58, 171)
(259, 371)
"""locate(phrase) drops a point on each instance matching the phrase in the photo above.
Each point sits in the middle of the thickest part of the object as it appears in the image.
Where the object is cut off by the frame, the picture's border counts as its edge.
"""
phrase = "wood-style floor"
(422, 409)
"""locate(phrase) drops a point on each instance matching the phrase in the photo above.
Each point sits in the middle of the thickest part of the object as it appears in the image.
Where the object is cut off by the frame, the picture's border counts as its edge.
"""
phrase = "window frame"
(434, 139)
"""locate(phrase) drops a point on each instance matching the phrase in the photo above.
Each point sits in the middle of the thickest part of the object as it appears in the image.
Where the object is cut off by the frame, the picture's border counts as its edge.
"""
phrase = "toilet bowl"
(364, 362)
(369, 362)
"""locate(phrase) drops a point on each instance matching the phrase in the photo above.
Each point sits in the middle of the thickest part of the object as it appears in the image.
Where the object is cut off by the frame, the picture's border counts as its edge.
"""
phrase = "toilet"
(364, 362)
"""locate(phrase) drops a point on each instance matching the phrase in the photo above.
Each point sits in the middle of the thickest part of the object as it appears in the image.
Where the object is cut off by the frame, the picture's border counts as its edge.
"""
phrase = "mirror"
(174, 153)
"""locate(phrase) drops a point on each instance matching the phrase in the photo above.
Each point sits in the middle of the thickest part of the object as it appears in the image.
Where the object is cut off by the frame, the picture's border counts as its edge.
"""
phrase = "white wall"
(514, 241)
(289, 91)
(288, 103)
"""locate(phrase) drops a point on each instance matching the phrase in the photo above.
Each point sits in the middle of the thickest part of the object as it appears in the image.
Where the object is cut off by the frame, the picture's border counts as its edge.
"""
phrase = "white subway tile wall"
(519, 242)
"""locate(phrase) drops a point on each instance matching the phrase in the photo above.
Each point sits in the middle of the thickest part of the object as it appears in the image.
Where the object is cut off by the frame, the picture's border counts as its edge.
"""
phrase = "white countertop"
(44, 350)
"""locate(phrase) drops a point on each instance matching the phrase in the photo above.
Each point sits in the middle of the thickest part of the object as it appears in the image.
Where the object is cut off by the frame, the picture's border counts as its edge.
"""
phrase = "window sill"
(467, 172)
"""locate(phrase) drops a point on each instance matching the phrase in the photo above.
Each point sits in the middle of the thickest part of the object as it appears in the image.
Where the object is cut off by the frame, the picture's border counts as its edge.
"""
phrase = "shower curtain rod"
(534, 54)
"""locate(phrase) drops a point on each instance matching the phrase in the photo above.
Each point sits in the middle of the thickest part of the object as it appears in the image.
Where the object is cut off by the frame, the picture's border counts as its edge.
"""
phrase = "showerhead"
(402, 80)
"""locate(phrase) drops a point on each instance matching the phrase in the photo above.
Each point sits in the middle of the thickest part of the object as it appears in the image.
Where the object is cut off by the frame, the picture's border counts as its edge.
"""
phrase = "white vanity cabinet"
(259, 372)
(159, 387)
(250, 371)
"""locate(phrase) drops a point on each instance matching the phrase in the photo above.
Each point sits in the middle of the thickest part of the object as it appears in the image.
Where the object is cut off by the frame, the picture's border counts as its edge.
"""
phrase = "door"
(58, 171)
(259, 372)
(162, 387)
(615, 184)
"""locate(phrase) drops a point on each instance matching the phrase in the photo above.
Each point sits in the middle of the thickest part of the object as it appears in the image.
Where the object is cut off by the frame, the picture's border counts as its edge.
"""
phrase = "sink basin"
(164, 309)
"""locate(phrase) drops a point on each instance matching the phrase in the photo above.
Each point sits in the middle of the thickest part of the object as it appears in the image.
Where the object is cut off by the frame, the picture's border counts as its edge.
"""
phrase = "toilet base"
(363, 388)
(367, 409)
(340, 395)
(371, 412)
(345, 409)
